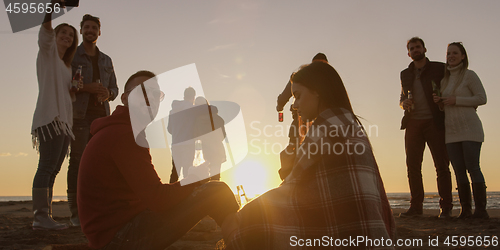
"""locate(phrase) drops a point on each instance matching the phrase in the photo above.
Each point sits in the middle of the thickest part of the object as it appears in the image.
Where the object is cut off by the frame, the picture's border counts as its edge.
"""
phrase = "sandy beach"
(16, 232)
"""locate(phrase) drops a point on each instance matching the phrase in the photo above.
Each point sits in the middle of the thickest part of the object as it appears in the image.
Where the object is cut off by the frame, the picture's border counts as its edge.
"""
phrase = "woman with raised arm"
(53, 117)
(462, 92)
(334, 191)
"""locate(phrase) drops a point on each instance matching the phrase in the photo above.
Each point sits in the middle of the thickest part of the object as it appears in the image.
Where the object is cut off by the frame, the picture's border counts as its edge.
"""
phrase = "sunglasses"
(155, 93)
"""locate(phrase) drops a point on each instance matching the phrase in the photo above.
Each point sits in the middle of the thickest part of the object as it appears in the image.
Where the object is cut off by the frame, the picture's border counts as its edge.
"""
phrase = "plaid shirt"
(334, 190)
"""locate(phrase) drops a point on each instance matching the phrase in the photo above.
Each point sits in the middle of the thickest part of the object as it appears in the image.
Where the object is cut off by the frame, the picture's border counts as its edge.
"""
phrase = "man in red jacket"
(121, 200)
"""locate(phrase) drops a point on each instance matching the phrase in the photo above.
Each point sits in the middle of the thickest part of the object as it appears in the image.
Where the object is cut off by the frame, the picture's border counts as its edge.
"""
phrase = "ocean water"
(28, 198)
(397, 200)
(431, 200)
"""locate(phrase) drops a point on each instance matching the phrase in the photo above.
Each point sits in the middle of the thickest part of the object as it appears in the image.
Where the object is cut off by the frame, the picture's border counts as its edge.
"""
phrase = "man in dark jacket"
(424, 123)
(122, 202)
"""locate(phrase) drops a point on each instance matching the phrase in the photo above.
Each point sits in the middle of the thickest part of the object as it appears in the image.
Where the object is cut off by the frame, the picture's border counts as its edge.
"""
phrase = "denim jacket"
(108, 79)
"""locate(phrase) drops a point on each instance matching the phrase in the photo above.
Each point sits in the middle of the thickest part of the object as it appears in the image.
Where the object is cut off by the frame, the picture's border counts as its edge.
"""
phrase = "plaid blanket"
(333, 194)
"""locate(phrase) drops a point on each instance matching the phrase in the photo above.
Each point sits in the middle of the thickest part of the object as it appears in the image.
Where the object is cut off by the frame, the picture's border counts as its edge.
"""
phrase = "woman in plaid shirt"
(334, 196)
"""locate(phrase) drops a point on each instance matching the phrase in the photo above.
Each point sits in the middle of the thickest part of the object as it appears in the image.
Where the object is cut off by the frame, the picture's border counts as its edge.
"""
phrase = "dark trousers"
(182, 160)
(418, 133)
(150, 230)
(464, 156)
(52, 152)
(81, 130)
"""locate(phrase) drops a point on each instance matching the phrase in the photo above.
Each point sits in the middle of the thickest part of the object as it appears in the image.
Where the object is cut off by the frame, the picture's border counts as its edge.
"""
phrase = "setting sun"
(253, 176)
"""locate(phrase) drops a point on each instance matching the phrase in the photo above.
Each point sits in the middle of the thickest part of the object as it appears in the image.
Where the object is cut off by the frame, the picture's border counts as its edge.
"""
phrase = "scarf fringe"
(59, 128)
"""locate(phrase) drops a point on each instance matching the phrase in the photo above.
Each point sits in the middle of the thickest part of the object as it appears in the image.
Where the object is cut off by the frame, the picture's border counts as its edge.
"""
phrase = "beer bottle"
(410, 97)
(76, 79)
(435, 89)
(198, 154)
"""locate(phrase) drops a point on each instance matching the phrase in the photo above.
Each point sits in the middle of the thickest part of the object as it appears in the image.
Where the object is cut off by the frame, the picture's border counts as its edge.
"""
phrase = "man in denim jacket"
(92, 101)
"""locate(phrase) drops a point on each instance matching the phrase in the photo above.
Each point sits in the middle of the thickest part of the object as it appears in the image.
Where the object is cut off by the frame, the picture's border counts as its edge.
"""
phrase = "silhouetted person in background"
(210, 130)
(181, 126)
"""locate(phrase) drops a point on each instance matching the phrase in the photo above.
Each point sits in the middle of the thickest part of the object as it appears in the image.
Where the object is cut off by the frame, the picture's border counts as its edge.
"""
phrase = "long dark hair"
(70, 52)
(326, 82)
(465, 65)
(323, 79)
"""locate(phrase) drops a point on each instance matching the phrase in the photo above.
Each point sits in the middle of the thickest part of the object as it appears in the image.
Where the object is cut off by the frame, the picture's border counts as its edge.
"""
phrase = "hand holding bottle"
(408, 104)
(103, 96)
(199, 174)
(450, 100)
(77, 81)
(103, 93)
(436, 98)
(80, 83)
(94, 88)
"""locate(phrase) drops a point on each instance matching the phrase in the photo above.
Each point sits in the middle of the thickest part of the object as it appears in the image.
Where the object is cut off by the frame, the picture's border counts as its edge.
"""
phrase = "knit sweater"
(54, 106)
(461, 120)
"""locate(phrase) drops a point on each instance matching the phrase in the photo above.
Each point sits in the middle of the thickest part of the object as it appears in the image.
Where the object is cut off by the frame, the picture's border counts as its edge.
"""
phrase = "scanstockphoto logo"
(25, 14)
(262, 139)
(205, 137)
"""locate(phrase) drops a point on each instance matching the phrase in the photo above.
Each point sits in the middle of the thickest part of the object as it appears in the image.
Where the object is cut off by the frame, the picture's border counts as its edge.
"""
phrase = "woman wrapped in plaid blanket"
(334, 197)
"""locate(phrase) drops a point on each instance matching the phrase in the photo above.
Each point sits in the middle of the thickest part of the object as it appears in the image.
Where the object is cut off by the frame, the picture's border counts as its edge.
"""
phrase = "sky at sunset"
(245, 51)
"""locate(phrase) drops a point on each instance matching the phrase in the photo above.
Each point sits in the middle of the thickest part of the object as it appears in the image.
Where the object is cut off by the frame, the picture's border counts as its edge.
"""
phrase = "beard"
(90, 40)
(418, 57)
